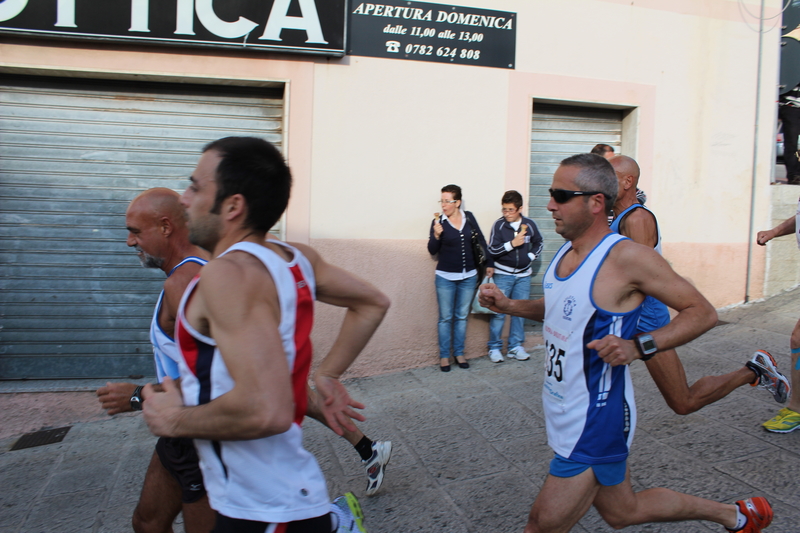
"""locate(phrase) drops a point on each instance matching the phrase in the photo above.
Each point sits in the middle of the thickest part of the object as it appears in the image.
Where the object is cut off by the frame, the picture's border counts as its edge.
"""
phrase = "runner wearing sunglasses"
(593, 293)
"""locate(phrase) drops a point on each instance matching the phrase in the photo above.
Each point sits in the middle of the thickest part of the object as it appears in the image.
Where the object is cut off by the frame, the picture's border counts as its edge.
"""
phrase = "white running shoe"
(769, 379)
(376, 465)
(496, 355)
(519, 353)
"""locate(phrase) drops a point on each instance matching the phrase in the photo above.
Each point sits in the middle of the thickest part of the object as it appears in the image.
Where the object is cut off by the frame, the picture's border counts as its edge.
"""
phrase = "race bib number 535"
(555, 343)
(552, 363)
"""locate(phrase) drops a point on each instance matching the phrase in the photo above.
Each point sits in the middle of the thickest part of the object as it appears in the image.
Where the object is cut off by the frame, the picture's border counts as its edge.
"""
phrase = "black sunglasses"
(562, 196)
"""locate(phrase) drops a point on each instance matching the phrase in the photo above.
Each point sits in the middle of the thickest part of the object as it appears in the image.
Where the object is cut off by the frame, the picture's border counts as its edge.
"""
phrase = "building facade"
(93, 112)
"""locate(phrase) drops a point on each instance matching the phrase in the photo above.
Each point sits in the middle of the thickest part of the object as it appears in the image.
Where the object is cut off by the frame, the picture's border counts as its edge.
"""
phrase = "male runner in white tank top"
(594, 289)
(173, 483)
(244, 338)
(639, 224)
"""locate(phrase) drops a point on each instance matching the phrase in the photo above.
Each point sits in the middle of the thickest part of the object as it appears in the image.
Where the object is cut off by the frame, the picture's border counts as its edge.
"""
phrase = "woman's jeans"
(516, 289)
(455, 298)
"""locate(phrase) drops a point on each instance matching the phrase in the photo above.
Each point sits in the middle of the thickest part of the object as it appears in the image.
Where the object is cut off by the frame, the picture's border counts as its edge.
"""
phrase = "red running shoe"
(758, 512)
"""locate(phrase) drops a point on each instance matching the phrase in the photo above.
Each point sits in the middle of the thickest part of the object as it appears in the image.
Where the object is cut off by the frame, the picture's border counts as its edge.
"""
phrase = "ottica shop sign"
(301, 26)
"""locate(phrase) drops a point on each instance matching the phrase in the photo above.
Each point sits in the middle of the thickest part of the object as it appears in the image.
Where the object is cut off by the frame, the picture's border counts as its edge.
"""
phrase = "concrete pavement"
(470, 451)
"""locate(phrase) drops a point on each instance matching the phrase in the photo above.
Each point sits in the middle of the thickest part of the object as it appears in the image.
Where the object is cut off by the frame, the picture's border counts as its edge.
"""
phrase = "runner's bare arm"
(366, 306)
(650, 274)
(240, 307)
(494, 299)
(116, 397)
(787, 227)
(640, 226)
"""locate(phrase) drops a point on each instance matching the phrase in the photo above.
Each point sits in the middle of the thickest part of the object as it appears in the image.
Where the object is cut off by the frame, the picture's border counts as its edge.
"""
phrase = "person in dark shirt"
(514, 243)
(789, 113)
(456, 273)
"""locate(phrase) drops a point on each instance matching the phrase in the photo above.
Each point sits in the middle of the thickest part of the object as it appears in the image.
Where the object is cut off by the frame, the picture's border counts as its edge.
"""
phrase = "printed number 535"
(553, 362)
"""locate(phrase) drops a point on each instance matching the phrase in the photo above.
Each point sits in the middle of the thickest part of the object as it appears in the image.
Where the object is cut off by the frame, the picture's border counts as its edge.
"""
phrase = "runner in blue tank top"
(593, 290)
(173, 482)
(639, 223)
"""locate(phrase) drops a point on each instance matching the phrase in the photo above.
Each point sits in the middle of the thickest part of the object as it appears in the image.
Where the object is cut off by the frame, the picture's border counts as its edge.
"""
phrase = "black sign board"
(303, 26)
(420, 31)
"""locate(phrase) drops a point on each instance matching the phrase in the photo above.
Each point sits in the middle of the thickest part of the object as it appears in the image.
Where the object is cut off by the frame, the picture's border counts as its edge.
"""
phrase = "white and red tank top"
(272, 479)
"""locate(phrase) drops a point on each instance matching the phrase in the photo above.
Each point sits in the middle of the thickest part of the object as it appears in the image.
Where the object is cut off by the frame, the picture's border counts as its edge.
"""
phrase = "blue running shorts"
(607, 474)
(654, 315)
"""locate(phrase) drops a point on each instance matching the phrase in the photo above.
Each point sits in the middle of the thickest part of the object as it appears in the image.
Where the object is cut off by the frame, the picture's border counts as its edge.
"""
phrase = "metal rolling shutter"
(560, 131)
(75, 301)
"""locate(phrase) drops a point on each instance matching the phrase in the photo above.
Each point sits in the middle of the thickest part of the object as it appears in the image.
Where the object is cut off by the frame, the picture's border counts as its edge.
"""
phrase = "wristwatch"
(136, 398)
(646, 345)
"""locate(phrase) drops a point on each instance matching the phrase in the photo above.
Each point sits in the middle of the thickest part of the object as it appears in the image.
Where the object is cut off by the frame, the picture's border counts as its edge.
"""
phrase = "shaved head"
(626, 166)
(156, 223)
(160, 202)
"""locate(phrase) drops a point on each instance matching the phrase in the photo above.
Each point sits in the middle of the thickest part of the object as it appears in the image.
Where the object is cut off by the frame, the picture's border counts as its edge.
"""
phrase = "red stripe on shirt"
(187, 345)
(303, 322)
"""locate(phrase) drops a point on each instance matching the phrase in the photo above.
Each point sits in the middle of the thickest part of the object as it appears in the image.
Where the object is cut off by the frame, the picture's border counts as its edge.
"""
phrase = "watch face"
(136, 399)
(647, 344)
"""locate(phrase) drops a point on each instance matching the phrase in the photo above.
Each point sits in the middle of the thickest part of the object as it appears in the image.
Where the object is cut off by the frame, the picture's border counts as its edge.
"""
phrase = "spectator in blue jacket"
(514, 244)
(456, 273)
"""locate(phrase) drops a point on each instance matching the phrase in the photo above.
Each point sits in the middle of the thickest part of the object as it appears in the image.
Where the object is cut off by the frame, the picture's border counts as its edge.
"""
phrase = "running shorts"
(179, 457)
(607, 474)
(225, 524)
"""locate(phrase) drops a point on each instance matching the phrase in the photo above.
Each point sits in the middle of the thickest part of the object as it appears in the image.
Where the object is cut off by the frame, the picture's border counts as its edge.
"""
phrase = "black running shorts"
(179, 457)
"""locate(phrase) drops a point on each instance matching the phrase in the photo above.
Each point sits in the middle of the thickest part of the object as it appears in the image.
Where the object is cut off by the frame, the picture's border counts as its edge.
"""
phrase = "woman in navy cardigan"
(456, 273)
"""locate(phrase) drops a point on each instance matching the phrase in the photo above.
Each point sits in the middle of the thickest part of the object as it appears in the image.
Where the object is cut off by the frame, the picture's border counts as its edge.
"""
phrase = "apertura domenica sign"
(420, 31)
(303, 26)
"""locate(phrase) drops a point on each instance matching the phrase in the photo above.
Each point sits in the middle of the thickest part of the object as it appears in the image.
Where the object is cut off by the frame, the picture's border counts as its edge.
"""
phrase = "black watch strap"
(647, 357)
(136, 398)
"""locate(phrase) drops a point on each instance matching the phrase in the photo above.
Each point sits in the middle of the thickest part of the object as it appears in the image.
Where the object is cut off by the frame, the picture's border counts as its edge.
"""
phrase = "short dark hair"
(512, 197)
(601, 149)
(596, 174)
(455, 190)
(255, 169)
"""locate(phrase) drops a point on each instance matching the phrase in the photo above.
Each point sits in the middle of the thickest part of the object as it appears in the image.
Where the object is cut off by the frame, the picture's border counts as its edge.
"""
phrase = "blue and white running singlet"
(165, 351)
(620, 217)
(655, 315)
(589, 407)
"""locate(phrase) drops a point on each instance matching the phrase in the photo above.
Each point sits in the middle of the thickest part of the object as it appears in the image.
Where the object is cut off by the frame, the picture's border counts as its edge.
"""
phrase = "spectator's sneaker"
(496, 356)
(785, 421)
(763, 364)
(519, 353)
(348, 511)
(758, 512)
(375, 465)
